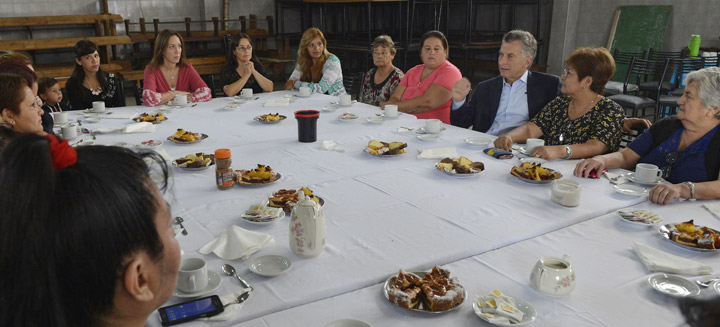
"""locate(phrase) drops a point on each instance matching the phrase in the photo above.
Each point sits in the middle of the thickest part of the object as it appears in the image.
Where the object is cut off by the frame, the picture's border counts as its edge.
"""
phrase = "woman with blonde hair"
(169, 74)
(316, 68)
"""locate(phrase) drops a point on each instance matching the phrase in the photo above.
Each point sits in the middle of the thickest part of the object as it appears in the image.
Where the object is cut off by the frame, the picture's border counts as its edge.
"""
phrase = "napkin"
(714, 208)
(143, 127)
(281, 102)
(657, 260)
(331, 145)
(236, 242)
(438, 153)
(121, 115)
(230, 309)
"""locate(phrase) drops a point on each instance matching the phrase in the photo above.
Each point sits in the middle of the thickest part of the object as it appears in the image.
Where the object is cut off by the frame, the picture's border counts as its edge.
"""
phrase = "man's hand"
(461, 89)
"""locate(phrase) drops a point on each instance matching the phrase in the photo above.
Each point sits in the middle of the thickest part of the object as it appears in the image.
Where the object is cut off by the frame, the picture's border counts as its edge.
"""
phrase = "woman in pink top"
(169, 74)
(426, 90)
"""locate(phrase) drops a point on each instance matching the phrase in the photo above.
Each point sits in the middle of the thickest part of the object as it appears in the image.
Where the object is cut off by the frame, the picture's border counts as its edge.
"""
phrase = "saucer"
(631, 177)
(330, 107)
(347, 323)
(213, 283)
(529, 312)
(674, 286)
(479, 141)
(304, 96)
(629, 189)
(639, 217)
(93, 119)
(375, 120)
(421, 130)
(428, 137)
(270, 265)
(229, 106)
(383, 115)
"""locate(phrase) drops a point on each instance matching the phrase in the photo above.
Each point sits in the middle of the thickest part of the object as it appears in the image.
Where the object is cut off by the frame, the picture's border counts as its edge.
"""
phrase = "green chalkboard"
(638, 29)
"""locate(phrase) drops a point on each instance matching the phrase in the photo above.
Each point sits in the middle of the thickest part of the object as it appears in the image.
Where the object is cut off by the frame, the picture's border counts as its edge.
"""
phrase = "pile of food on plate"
(184, 136)
(286, 198)
(347, 116)
(687, 233)
(435, 291)
(262, 213)
(145, 117)
(151, 143)
(535, 172)
(261, 175)
(498, 308)
(460, 165)
(379, 148)
(197, 160)
(271, 117)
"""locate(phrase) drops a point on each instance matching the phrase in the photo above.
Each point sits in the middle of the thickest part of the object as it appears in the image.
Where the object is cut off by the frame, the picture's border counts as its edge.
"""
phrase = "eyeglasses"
(248, 48)
(566, 73)
(381, 54)
(670, 159)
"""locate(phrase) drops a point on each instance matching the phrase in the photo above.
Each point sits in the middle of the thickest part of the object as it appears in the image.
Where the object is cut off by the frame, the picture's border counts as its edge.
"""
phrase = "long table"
(383, 214)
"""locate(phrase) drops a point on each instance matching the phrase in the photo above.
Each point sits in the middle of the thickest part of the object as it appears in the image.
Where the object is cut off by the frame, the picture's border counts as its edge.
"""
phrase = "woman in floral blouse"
(316, 68)
(379, 83)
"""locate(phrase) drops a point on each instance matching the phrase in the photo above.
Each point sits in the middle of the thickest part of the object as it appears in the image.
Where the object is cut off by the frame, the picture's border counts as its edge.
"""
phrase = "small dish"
(479, 141)
(533, 160)
(149, 144)
(421, 130)
(239, 101)
(229, 106)
(629, 189)
(383, 115)
(375, 120)
(330, 108)
(347, 323)
(631, 177)
(213, 283)
(270, 265)
(639, 217)
(428, 137)
(529, 312)
(348, 116)
(259, 219)
(674, 286)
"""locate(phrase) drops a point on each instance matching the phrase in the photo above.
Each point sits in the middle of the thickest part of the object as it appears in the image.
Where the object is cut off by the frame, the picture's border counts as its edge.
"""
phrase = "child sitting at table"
(49, 92)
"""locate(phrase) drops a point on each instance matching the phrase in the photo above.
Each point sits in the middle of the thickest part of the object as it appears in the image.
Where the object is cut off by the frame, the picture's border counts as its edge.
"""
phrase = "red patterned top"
(372, 93)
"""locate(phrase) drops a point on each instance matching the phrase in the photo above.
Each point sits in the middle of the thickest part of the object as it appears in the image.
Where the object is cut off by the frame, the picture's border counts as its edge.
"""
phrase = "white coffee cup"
(192, 276)
(304, 91)
(246, 93)
(69, 131)
(532, 144)
(60, 117)
(566, 192)
(647, 173)
(98, 106)
(180, 99)
(433, 125)
(345, 99)
(391, 110)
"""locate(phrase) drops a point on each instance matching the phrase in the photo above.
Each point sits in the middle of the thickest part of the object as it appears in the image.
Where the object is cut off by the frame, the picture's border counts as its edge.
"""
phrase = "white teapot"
(307, 227)
(553, 276)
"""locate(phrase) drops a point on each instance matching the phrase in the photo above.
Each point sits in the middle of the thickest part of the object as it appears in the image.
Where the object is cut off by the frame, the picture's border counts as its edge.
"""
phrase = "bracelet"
(569, 152)
(691, 185)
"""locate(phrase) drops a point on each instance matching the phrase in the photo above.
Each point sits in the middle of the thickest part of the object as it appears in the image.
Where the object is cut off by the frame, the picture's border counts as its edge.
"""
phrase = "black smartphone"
(190, 310)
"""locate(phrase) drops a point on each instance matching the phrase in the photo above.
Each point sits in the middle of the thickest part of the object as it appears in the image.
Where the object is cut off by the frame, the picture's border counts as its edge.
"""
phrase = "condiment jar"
(223, 169)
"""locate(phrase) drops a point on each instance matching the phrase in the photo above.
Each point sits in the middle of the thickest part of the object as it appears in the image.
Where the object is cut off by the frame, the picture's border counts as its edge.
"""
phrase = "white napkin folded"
(230, 309)
(236, 242)
(331, 145)
(143, 127)
(438, 153)
(657, 260)
(714, 208)
(121, 115)
(280, 102)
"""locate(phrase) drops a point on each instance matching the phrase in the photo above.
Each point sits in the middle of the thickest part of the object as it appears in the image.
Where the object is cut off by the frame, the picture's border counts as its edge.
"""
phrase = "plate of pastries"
(261, 175)
(385, 149)
(691, 236)
(286, 199)
(150, 118)
(195, 161)
(534, 173)
(182, 136)
(270, 118)
(433, 291)
(460, 167)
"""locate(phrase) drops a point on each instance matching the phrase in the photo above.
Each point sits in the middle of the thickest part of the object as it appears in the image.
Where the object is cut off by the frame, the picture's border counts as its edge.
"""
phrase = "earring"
(12, 122)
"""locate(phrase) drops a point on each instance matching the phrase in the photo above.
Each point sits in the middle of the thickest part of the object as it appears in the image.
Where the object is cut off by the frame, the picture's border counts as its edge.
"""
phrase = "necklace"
(573, 107)
(95, 90)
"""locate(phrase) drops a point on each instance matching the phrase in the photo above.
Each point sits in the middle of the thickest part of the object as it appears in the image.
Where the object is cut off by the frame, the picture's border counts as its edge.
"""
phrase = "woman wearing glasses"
(686, 147)
(581, 123)
(379, 83)
(426, 89)
(243, 69)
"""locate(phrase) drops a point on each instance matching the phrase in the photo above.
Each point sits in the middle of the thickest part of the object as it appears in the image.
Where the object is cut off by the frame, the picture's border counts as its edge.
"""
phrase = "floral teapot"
(307, 227)
(553, 276)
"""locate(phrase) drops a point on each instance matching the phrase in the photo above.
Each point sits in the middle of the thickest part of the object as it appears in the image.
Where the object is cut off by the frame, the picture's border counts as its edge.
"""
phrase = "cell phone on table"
(594, 174)
(190, 310)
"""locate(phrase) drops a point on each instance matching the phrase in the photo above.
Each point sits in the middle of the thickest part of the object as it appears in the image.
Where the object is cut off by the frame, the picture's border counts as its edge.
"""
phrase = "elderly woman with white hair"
(685, 147)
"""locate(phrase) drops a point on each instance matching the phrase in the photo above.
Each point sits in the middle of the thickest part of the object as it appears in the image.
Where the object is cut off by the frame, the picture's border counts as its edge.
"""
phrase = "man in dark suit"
(502, 103)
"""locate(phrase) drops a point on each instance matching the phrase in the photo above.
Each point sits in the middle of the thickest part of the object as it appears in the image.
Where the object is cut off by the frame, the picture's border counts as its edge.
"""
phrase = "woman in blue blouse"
(686, 147)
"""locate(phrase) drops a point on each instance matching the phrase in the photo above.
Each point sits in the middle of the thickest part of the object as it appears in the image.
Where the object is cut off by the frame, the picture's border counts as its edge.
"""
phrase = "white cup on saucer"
(304, 91)
(98, 106)
(69, 131)
(246, 93)
(180, 99)
(532, 144)
(192, 276)
(432, 125)
(566, 192)
(391, 110)
(60, 118)
(345, 99)
(647, 173)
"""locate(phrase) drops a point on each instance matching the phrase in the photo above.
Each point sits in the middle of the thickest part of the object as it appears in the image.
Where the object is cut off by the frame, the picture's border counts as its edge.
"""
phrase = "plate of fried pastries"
(182, 136)
(150, 118)
(195, 161)
(692, 237)
(432, 292)
(534, 173)
(270, 118)
(460, 167)
(385, 149)
(261, 175)
(286, 199)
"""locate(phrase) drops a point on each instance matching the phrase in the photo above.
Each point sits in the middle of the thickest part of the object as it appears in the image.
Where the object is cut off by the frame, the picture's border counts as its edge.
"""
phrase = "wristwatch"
(569, 152)
(691, 185)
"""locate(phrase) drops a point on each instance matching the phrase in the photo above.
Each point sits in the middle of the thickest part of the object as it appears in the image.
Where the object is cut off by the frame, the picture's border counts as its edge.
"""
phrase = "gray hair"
(384, 41)
(528, 41)
(708, 82)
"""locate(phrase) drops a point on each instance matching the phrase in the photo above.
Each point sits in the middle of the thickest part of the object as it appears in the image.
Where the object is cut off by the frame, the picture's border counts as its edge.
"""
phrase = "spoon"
(239, 300)
(706, 283)
(179, 221)
(230, 271)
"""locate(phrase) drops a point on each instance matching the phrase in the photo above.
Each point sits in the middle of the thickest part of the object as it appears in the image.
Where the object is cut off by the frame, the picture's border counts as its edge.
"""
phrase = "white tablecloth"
(383, 214)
